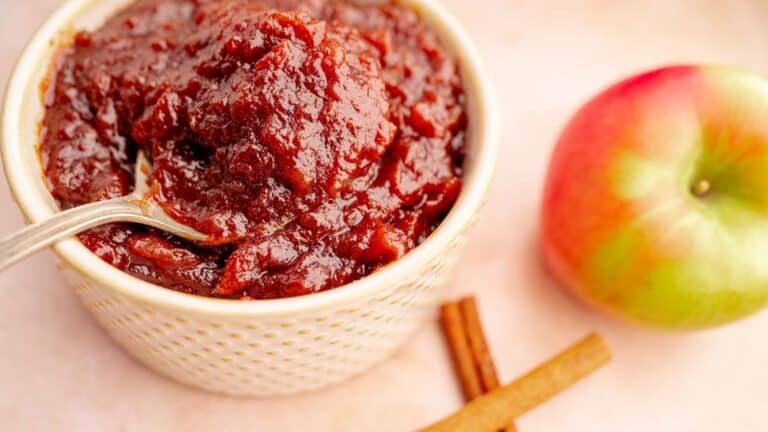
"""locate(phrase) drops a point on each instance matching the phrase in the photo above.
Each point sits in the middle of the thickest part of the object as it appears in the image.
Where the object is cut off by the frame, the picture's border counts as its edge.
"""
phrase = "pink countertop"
(59, 371)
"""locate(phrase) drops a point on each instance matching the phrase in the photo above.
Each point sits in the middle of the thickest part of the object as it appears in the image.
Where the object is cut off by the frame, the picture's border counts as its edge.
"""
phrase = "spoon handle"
(65, 224)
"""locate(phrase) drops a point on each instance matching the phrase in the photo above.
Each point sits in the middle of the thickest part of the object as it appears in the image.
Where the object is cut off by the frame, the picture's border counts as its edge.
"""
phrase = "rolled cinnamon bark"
(480, 351)
(495, 410)
(455, 334)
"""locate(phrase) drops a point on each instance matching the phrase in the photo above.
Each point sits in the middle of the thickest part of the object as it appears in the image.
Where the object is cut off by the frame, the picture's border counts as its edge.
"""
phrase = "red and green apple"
(655, 207)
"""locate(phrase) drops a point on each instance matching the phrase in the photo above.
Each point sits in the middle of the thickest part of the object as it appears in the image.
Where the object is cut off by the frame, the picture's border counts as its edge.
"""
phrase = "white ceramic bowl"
(259, 348)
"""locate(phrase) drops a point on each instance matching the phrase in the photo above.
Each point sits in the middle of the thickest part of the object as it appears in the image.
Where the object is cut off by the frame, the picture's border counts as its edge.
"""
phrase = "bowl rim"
(37, 207)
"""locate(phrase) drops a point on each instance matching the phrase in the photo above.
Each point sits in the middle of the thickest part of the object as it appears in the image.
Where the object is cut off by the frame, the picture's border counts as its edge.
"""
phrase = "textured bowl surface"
(260, 348)
(267, 356)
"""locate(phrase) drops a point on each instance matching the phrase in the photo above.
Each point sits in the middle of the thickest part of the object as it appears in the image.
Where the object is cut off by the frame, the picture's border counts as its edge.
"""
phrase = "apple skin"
(655, 207)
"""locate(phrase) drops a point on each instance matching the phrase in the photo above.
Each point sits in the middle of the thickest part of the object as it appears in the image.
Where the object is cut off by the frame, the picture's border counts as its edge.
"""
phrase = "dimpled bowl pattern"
(258, 348)
(267, 357)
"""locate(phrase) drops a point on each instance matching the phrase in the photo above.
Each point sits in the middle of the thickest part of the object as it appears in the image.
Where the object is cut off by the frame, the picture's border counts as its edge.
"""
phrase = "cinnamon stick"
(498, 408)
(480, 351)
(453, 327)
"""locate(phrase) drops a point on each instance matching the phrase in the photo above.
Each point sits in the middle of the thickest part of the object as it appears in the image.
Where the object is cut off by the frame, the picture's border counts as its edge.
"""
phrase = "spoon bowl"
(137, 207)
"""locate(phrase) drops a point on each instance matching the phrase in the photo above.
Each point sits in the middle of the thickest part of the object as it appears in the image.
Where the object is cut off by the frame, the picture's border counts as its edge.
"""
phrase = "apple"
(655, 207)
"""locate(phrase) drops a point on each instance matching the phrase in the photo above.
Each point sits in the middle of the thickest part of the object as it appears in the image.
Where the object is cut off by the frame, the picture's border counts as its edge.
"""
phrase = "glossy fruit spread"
(314, 140)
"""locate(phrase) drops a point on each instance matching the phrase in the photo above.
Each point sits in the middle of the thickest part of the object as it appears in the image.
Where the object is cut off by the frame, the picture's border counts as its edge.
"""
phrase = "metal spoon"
(137, 207)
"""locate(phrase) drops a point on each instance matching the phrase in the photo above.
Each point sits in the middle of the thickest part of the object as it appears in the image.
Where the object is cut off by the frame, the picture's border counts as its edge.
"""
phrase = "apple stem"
(701, 188)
